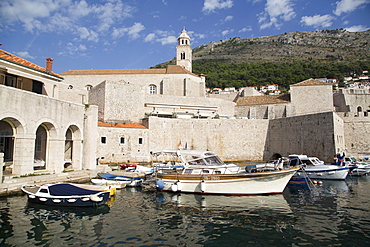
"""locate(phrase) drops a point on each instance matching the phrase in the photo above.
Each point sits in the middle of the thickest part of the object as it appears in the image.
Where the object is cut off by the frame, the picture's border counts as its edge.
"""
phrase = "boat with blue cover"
(130, 179)
(65, 194)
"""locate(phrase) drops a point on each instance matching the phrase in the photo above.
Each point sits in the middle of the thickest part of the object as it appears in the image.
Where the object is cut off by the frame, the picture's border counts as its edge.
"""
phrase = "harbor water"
(336, 213)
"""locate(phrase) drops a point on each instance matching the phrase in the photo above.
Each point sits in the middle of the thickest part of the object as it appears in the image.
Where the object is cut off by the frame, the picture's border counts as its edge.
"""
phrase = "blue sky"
(136, 34)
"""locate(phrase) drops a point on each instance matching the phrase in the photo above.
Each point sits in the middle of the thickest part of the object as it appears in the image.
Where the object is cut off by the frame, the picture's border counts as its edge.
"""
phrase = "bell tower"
(184, 51)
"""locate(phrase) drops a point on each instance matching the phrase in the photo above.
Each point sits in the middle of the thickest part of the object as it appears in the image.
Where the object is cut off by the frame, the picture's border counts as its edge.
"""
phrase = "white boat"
(111, 183)
(204, 172)
(358, 168)
(131, 179)
(316, 169)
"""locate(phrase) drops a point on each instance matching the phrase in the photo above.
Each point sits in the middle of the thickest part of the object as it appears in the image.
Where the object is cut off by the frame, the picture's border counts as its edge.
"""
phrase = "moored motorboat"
(131, 179)
(316, 169)
(65, 194)
(204, 172)
(358, 168)
(111, 183)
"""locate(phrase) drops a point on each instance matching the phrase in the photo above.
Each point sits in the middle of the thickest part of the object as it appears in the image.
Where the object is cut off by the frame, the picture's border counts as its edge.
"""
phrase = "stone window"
(122, 140)
(70, 87)
(103, 140)
(140, 140)
(182, 55)
(89, 87)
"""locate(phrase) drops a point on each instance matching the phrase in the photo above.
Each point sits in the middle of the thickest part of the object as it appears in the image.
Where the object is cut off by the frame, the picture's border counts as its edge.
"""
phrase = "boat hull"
(111, 183)
(71, 201)
(325, 173)
(272, 182)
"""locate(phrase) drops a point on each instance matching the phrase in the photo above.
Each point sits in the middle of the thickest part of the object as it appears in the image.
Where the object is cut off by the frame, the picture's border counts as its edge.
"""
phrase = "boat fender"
(96, 198)
(174, 187)
(179, 185)
(160, 184)
(202, 186)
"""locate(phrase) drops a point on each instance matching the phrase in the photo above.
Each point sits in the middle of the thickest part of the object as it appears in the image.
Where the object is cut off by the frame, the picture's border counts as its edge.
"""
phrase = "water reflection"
(276, 203)
(44, 212)
(328, 212)
(334, 213)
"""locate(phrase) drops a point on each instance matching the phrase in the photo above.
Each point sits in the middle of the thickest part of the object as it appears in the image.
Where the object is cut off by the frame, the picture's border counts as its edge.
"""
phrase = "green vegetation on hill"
(223, 74)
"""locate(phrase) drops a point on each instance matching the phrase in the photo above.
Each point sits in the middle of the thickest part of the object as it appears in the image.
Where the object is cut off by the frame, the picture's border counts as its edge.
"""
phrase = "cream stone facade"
(81, 118)
(38, 131)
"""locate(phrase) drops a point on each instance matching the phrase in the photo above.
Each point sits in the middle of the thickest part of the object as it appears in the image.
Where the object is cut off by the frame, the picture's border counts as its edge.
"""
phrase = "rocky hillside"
(283, 59)
(325, 45)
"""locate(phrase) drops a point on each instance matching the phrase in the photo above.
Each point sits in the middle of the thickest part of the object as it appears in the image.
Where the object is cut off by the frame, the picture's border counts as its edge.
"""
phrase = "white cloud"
(228, 18)
(275, 12)
(111, 12)
(90, 35)
(86, 20)
(24, 54)
(150, 37)
(211, 5)
(135, 29)
(132, 32)
(358, 28)
(346, 6)
(167, 40)
(225, 32)
(245, 29)
(317, 20)
(161, 36)
(73, 49)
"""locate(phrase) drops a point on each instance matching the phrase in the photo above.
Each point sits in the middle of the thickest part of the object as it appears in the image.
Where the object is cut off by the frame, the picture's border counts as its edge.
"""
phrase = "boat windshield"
(214, 161)
(209, 161)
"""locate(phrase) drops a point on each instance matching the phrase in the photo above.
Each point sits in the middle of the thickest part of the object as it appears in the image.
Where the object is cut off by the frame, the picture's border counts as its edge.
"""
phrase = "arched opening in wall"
(40, 148)
(7, 144)
(276, 156)
(182, 55)
(359, 109)
(68, 149)
(88, 87)
(73, 148)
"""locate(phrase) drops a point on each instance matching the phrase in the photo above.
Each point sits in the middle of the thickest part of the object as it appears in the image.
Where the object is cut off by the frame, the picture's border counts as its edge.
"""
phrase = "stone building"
(38, 130)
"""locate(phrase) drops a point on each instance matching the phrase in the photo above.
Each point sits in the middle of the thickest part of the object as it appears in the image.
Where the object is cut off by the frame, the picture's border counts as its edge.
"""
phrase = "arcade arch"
(73, 148)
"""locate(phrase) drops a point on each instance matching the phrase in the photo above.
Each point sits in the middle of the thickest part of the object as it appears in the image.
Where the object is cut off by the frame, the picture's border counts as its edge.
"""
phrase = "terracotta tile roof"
(176, 69)
(263, 100)
(171, 69)
(310, 82)
(121, 125)
(4, 55)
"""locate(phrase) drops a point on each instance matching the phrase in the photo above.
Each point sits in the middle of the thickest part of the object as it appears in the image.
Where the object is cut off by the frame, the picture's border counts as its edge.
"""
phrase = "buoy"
(203, 186)
(160, 184)
(319, 182)
(314, 181)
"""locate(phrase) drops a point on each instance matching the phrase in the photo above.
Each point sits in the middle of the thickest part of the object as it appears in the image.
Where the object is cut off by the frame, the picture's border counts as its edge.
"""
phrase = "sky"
(138, 34)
